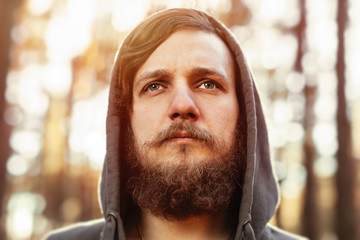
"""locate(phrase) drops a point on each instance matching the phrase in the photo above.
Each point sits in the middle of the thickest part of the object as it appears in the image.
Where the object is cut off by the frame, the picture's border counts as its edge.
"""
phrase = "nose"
(183, 105)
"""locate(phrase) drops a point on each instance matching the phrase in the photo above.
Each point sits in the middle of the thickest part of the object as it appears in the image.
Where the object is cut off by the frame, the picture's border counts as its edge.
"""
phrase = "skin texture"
(188, 78)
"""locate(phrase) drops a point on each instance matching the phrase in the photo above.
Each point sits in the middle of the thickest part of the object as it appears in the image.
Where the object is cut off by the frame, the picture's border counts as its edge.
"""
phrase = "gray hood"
(260, 191)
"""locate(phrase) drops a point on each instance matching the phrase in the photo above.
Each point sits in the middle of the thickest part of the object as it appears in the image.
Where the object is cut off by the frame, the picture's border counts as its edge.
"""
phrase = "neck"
(204, 227)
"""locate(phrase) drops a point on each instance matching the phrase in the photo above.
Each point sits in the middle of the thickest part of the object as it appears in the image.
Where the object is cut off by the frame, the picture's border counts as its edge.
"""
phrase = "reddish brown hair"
(142, 41)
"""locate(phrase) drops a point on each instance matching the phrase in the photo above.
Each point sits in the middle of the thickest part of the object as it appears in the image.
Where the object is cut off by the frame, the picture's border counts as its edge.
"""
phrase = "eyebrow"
(162, 73)
(202, 71)
(152, 75)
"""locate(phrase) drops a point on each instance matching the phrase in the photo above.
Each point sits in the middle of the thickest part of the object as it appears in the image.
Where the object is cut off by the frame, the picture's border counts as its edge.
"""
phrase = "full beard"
(184, 189)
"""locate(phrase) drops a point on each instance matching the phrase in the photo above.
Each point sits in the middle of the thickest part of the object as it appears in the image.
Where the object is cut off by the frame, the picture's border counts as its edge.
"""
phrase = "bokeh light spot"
(17, 165)
(294, 182)
(57, 79)
(22, 208)
(282, 112)
(128, 13)
(295, 82)
(325, 166)
(26, 142)
(39, 7)
(294, 132)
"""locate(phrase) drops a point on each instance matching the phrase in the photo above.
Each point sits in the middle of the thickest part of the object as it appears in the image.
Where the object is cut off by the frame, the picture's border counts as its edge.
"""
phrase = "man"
(187, 149)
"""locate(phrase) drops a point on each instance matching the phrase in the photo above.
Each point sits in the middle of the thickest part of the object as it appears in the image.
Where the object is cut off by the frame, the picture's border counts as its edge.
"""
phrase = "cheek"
(140, 129)
(224, 119)
(145, 121)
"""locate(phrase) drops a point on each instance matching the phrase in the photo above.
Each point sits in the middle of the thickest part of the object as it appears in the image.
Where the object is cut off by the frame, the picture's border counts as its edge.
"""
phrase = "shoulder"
(89, 230)
(272, 232)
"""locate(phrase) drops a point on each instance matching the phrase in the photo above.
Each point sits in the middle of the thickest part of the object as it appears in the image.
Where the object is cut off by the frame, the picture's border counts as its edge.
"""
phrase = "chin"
(178, 154)
(182, 156)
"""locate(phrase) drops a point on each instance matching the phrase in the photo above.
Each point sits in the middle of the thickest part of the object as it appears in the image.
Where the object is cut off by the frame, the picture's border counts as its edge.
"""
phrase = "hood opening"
(259, 191)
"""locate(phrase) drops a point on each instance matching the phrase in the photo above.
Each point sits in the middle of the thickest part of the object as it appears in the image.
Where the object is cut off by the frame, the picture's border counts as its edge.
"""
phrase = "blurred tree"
(346, 214)
(7, 19)
(310, 212)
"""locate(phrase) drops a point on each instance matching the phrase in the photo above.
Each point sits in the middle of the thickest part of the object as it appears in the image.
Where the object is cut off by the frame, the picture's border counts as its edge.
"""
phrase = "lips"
(182, 133)
(181, 136)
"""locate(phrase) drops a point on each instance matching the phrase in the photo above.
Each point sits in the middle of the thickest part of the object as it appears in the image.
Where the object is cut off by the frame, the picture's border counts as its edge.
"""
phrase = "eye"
(153, 87)
(208, 85)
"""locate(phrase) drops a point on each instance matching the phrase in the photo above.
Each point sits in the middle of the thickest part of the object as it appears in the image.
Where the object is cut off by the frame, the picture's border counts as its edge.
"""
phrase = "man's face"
(185, 108)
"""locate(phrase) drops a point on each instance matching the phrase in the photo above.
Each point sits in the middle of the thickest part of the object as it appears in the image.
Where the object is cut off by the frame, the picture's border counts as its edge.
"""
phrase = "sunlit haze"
(57, 92)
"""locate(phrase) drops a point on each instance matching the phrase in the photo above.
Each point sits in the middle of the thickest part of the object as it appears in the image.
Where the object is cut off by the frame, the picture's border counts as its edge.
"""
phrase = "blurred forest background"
(55, 61)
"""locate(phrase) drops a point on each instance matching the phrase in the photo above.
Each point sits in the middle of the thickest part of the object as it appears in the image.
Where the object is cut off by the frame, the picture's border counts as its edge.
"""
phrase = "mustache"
(192, 131)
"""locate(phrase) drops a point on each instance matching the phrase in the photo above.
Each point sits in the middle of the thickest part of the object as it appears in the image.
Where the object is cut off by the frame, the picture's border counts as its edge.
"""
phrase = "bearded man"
(187, 148)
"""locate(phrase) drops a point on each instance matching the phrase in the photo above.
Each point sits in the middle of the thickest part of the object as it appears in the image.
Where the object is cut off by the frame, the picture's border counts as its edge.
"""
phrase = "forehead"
(186, 48)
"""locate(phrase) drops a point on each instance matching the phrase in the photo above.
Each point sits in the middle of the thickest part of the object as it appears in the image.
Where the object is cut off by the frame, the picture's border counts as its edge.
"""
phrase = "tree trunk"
(346, 218)
(7, 8)
(310, 214)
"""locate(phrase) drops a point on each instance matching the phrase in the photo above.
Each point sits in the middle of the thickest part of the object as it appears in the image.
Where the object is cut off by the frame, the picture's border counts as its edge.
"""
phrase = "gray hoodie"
(260, 190)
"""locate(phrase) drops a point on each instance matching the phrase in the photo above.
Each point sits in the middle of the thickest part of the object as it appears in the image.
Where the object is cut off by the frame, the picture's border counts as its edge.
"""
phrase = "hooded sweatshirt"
(259, 191)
